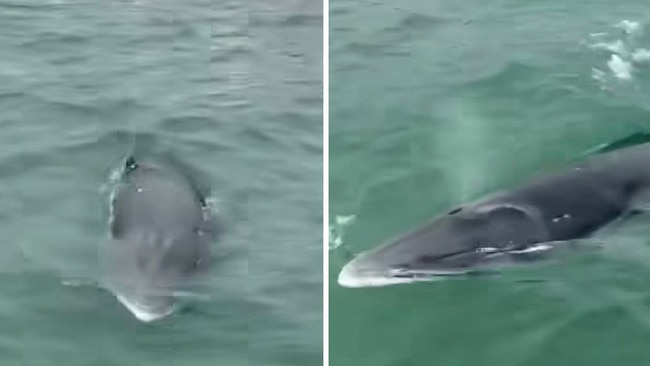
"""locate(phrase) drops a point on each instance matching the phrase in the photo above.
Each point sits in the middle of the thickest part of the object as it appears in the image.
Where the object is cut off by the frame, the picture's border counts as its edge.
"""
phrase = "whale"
(518, 226)
(161, 232)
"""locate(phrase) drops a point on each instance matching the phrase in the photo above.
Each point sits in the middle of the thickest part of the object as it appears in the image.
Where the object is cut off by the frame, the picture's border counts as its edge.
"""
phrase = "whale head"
(161, 234)
(145, 270)
(463, 241)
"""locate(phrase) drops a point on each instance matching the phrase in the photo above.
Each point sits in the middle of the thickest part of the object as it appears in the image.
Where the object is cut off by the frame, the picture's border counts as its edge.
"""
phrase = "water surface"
(433, 103)
(231, 88)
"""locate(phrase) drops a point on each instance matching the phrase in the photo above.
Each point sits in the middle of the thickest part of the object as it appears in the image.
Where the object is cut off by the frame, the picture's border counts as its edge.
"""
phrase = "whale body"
(516, 226)
(161, 233)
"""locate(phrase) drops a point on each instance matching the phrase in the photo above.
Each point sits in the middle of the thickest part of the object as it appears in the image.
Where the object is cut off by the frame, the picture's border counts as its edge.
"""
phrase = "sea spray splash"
(337, 234)
(626, 53)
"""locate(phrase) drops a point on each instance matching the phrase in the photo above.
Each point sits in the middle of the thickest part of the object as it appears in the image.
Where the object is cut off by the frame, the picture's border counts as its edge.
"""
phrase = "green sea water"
(231, 88)
(433, 103)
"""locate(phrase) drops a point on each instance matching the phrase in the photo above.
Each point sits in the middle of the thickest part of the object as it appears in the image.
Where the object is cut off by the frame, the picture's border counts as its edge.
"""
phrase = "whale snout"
(143, 298)
(369, 270)
(353, 277)
(473, 241)
(147, 308)
(365, 273)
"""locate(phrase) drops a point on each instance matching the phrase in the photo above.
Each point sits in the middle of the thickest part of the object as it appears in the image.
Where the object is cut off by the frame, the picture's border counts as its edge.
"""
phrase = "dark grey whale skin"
(162, 233)
(567, 205)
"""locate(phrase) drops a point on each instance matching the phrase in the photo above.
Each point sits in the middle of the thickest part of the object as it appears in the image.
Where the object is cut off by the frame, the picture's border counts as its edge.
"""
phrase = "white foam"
(620, 68)
(630, 27)
(625, 53)
(640, 55)
(598, 75)
(617, 47)
(336, 242)
(345, 220)
(337, 230)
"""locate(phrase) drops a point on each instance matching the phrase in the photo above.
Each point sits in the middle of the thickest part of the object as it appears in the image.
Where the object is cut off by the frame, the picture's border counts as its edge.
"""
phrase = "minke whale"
(516, 226)
(161, 232)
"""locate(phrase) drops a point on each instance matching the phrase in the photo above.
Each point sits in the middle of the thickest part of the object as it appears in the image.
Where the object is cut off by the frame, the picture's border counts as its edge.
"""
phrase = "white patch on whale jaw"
(142, 312)
(351, 280)
(495, 260)
(351, 277)
(354, 281)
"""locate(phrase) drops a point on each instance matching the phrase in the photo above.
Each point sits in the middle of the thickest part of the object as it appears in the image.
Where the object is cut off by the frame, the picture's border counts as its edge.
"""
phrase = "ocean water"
(231, 88)
(433, 103)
